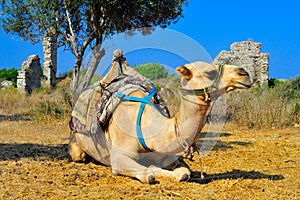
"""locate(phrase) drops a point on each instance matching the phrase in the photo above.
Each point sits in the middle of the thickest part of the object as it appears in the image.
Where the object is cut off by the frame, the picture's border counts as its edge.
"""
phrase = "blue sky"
(214, 25)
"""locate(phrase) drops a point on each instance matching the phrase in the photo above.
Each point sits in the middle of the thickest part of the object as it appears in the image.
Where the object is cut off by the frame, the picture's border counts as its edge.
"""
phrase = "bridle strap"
(216, 82)
(207, 90)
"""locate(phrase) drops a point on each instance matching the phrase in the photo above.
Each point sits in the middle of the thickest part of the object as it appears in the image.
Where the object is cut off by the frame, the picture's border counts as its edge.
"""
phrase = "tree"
(152, 70)
(80, 24)
(34, 21)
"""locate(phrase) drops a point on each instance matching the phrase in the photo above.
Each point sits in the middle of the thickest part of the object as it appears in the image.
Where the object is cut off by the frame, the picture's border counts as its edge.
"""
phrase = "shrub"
(70, 73)
(43, 104)
(48, 110)
(152, 70)
(48, 104)
(10, 75)
(264, 107)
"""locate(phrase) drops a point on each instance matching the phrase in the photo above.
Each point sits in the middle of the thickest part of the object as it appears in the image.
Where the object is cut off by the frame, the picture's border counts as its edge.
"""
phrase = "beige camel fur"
(165, 137)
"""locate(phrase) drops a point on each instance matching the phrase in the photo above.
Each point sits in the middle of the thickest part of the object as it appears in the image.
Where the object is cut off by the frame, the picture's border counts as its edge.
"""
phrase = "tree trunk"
(75, 78)
(91, 67)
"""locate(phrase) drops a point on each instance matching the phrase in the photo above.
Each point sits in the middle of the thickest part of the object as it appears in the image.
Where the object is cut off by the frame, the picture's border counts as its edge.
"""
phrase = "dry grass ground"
(244, 164)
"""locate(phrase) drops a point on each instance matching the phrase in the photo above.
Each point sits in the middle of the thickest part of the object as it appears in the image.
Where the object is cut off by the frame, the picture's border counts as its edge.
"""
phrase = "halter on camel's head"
(209, 81)
(205, 91)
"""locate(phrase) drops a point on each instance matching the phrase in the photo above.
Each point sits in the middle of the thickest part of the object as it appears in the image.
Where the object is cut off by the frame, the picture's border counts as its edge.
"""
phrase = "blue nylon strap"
(143, 101)
(139, 128)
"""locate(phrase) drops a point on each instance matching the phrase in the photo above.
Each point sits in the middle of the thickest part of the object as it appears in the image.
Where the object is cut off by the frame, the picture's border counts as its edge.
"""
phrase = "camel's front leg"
(177, 169)
(124, 163)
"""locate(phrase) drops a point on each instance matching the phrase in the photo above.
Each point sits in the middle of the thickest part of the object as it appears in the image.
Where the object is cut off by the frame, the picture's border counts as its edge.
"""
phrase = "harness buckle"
(207, 98)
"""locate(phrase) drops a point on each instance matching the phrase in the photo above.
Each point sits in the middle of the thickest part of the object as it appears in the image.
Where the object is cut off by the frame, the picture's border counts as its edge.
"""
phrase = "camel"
(164, 138)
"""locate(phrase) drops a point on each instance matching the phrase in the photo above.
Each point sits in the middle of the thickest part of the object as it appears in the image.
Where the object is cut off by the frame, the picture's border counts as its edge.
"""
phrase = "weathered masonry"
(29, 76)
(247, 54)
(50, 60)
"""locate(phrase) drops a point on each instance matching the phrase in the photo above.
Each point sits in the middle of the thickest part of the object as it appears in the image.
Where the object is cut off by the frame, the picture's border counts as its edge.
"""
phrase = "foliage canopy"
(152, 70)
(78, 24)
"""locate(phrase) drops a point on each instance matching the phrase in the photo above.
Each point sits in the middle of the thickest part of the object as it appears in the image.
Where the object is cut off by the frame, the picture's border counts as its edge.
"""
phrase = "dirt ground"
(244, 164)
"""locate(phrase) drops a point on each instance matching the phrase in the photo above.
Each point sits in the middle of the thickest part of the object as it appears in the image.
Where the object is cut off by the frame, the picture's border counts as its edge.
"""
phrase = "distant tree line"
(289, 89)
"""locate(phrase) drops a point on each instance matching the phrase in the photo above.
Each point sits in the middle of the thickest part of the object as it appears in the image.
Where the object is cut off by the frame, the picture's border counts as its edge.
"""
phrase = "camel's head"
(200, 76)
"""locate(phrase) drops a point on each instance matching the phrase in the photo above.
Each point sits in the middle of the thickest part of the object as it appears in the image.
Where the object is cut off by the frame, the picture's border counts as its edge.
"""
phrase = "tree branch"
(71, 37)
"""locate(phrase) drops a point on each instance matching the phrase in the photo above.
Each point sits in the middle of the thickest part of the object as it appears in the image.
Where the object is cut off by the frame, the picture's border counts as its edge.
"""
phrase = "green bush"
(50, 109)
(50, 103)
(10, 75)
(70, 73)
(152, 70)
(291, 88)
(266, 107)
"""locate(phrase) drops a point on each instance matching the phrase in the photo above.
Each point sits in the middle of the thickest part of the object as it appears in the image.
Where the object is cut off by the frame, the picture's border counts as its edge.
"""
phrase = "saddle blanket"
(96, 105)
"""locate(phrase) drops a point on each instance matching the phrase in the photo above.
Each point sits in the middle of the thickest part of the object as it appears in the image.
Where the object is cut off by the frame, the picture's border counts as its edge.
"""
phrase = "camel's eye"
(242, 72)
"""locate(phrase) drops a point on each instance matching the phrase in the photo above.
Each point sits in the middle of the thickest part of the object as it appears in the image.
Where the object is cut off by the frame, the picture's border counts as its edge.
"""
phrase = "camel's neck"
(178, 133)
(190, 120)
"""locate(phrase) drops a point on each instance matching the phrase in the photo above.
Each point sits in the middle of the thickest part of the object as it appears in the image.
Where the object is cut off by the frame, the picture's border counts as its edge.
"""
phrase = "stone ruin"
(247, 54)
(50, 60)
(29, 77)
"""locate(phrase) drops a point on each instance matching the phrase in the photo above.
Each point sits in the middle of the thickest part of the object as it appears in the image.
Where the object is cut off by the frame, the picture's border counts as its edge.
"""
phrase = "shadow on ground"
(214, 134)
(17, 117)
(35, 151)
(210, 141)
(234, 174)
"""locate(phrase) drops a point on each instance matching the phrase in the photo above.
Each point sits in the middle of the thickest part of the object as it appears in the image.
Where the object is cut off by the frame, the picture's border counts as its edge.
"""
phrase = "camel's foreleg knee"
(177, 169)
(126, 165)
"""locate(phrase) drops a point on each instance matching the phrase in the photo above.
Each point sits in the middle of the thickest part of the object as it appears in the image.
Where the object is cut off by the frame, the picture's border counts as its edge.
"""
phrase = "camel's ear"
(184, 72)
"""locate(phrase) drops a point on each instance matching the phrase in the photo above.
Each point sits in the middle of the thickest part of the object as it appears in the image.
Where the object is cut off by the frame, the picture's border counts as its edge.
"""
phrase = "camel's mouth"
(244, 85)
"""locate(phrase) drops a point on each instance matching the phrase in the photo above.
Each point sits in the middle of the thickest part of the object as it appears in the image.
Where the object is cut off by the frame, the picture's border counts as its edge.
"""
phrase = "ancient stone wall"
(29, 77)
(50, 60)
(247, 54)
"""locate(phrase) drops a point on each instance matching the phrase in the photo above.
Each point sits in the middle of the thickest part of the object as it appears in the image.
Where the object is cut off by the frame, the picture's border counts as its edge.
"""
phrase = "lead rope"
(200, 163)
(189, 153)
(189, 150)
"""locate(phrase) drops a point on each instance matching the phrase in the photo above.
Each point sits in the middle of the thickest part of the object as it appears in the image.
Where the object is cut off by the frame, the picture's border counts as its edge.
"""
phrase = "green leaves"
(10, 75)
(31, 19)
(79, 24)
(152, 70)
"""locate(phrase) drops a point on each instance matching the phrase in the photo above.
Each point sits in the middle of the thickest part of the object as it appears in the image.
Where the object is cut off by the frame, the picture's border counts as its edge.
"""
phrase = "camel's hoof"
(184, 177)
(151, 179)
(147, 178)
(182, 174)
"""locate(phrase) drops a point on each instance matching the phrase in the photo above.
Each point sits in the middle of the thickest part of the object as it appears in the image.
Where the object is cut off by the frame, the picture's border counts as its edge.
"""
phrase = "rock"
(6, 83)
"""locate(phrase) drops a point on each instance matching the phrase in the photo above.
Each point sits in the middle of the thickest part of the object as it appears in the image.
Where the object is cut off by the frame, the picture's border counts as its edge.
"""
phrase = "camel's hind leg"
(76, 152)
